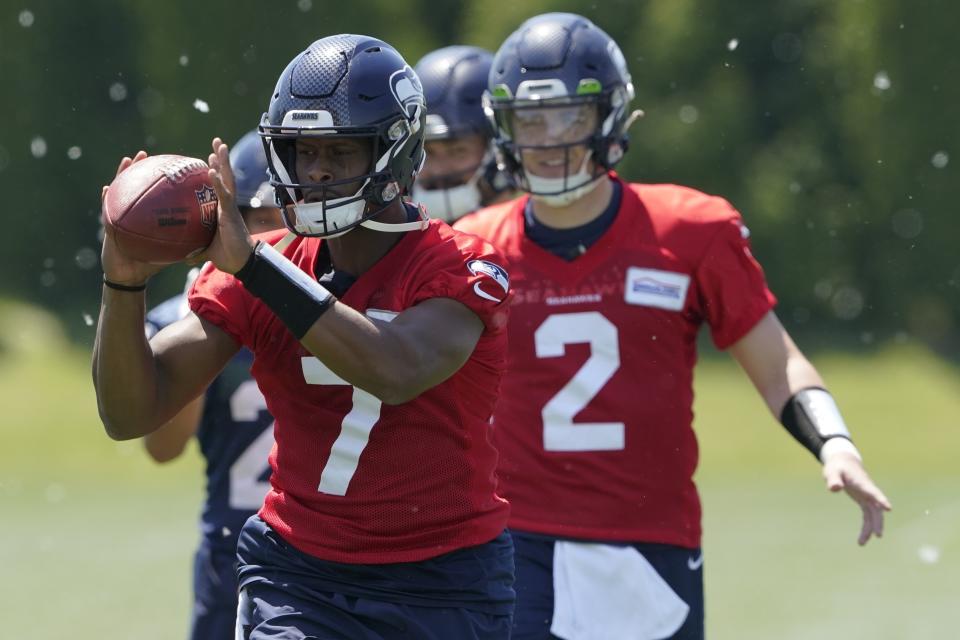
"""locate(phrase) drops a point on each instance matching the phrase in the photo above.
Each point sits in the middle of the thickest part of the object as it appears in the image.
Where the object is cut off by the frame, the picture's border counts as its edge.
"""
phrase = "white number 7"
(354, 429)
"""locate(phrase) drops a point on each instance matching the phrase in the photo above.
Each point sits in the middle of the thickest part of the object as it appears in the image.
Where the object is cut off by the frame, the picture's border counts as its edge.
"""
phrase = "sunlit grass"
(96, 541)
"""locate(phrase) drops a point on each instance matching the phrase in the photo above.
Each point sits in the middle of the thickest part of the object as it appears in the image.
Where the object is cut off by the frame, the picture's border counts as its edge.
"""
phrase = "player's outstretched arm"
(796, 394)
(396, 361)
(141, 385)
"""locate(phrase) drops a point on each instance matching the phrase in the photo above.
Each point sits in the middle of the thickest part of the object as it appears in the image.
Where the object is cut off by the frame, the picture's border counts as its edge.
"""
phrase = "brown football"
(162, 208)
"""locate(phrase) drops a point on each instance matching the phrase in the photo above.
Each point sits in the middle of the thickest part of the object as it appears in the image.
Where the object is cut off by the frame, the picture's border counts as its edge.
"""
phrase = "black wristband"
(296, 298)
(123, 287)
(812, 417)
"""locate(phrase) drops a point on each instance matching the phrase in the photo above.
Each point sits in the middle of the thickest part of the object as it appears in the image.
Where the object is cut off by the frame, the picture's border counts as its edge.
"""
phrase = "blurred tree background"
(831, 124)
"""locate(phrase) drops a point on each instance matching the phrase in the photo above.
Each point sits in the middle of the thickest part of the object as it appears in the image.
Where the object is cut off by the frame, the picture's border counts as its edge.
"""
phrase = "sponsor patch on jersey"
(496, 283)
(656, 288)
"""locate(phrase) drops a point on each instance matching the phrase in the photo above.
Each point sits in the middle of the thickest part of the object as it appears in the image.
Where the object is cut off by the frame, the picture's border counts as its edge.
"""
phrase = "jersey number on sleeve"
(246, 488)
(560, 432)
(354, 430)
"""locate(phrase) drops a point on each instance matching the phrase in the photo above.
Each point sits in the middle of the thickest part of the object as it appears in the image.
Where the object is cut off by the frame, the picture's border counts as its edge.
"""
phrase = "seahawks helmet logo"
(408, 92)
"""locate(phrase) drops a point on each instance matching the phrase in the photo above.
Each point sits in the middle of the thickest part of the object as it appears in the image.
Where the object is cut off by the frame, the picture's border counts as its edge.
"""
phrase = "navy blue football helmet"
(349, 86)
(249, 164)
(454, 80)
(561, 77)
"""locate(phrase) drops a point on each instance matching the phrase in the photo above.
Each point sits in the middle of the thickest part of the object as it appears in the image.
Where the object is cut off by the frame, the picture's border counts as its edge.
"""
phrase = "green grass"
(96, 541)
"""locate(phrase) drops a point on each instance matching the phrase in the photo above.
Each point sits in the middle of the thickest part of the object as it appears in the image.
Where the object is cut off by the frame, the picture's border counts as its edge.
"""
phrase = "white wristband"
(837, 445)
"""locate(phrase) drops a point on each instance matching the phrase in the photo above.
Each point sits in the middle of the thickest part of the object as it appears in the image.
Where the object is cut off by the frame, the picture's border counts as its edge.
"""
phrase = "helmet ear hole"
(614, 154)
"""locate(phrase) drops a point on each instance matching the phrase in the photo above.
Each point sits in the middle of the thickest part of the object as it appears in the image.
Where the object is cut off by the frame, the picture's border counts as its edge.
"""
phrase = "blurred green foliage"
(828, 123)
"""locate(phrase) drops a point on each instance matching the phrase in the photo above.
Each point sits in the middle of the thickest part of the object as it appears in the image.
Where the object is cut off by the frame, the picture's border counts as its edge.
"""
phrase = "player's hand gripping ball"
(162, 208)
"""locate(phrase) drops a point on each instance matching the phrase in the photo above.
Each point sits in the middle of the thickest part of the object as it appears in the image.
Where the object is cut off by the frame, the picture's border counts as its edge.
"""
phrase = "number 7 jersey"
(355, 480)
(594, 420)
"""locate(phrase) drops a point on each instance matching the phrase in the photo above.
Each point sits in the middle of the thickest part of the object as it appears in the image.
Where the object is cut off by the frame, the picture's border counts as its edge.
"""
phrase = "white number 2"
(246, 488)
(354, 429)
(560, 432)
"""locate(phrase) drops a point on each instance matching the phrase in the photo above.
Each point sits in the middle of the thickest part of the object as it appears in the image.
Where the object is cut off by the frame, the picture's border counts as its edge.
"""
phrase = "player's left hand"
(843, 470)
(232, 245)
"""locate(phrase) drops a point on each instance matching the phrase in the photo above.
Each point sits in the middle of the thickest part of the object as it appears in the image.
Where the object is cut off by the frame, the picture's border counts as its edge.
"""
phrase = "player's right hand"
(117, 266)
(232, 245)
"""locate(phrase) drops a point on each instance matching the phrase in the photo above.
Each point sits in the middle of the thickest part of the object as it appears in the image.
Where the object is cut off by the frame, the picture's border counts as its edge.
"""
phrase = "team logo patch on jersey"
(656, 288)
(495, 277)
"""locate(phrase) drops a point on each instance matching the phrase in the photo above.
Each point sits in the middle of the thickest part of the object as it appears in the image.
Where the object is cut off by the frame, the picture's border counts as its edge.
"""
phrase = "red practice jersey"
(355, 480)
(594, 421)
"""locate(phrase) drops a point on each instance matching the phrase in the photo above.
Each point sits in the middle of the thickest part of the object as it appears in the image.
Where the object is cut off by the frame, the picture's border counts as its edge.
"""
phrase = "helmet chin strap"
(420, 224)
(552, 186)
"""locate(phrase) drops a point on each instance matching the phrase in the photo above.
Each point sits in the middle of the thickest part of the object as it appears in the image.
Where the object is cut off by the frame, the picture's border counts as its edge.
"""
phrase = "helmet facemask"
(452, 202)
(550, 146)
(468, 157)
(331, 212)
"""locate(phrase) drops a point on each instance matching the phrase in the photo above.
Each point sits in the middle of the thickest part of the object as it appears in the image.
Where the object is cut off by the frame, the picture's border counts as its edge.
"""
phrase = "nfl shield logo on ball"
(207, 199)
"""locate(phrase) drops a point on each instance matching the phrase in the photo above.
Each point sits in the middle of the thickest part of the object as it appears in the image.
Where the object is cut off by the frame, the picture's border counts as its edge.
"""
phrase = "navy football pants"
(533, 556)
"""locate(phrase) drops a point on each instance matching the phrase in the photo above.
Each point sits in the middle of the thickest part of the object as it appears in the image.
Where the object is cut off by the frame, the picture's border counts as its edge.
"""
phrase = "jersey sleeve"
(218, 298)
(733, 289)
(470, 271)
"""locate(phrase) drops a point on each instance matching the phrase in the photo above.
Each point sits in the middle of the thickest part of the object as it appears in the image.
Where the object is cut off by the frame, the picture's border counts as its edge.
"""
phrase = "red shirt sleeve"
(219, 298)
(469, 270)
(733, 290)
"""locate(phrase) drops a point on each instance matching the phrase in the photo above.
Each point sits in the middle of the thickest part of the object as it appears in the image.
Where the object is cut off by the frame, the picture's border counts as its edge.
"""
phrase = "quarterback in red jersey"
(379, 343)
(612, 282)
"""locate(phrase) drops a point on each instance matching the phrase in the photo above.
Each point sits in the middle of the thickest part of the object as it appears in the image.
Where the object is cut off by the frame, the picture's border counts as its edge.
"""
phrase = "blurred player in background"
(460, 174)
(379, 340)
(231, 423)
(612, 282)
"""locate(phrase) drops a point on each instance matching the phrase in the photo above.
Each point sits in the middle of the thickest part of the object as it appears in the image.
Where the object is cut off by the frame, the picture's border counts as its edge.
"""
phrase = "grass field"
(96, 541)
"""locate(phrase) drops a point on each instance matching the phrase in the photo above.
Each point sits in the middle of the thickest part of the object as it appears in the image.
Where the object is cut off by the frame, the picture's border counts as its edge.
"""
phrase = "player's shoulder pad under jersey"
(487, 218)
(475, 258)
(684, 203)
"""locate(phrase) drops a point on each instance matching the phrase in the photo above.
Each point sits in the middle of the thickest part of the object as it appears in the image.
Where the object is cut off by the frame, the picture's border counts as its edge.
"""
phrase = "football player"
(231, 424)
(613, 281)
(379, 342)
(460, 174)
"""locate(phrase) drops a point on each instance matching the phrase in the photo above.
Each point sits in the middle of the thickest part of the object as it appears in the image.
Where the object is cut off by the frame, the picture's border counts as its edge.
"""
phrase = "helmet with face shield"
(559, 96)
(348, 91)
(461, 172)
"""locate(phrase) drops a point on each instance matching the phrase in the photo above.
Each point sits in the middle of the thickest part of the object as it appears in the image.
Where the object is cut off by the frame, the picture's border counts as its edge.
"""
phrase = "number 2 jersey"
(355, 480)
(235, 435)
(594, 422)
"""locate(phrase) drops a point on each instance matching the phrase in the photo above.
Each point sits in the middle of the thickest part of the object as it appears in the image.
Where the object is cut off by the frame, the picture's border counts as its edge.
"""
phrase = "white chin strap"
(335, 217)
(550, 191)
(310, 218)
(453, 203)
(421, 223)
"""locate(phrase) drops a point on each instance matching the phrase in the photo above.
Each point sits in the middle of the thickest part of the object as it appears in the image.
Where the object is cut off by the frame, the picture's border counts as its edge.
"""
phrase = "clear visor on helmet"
(548, 124)
(552, 143)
